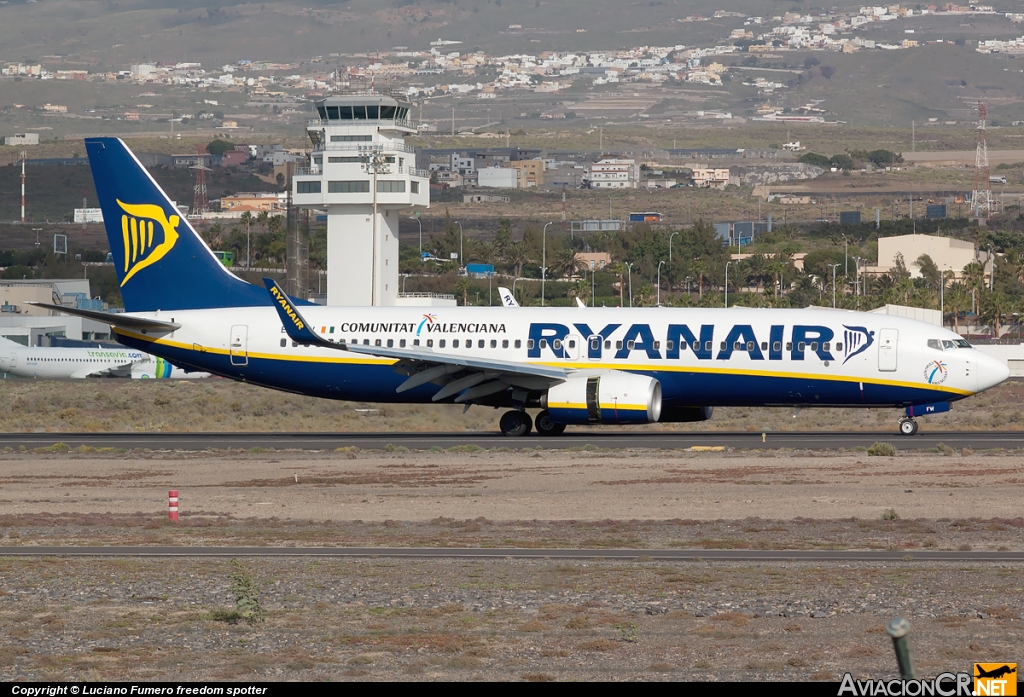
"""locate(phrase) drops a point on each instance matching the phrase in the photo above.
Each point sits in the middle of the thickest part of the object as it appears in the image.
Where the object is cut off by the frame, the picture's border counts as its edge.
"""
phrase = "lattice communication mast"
(981, 197)
(200, 203)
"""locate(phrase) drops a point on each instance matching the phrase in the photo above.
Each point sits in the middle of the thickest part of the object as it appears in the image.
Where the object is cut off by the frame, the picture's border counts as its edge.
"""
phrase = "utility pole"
(374, 163)
(23, 186)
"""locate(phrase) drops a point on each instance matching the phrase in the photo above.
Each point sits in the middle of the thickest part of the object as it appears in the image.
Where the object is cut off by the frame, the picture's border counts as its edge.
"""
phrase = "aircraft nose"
(991, 371)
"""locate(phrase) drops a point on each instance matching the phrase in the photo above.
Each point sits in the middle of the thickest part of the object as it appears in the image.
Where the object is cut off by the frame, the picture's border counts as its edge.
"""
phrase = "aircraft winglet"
(295, 325)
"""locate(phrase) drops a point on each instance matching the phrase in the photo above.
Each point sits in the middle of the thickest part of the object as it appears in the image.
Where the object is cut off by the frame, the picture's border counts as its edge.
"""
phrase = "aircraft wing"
(123, 370)
(464, 377)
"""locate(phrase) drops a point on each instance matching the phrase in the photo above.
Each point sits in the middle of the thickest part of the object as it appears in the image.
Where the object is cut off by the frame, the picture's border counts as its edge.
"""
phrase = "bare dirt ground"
(377, 619)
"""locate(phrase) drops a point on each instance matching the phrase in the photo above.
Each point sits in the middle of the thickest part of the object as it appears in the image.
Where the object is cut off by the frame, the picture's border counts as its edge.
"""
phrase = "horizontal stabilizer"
(115, 319)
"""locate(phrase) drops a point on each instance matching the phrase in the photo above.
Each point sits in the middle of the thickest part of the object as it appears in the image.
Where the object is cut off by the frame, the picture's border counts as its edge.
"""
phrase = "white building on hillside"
(614, 174)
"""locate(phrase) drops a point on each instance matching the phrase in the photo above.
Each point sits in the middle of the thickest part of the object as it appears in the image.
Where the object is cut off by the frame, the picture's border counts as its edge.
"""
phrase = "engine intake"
(608, 398)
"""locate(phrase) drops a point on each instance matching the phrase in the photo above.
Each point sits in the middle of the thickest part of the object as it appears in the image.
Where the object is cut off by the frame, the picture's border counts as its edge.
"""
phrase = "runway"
(730, 555)
(572, 439)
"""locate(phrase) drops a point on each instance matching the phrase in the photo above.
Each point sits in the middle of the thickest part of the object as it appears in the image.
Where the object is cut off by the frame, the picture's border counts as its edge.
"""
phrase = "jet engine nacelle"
(608, 398)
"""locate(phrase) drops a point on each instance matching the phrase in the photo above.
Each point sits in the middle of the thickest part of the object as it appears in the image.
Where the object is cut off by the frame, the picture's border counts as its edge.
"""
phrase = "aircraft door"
(573, 346)
(887, 345)
(239, 347)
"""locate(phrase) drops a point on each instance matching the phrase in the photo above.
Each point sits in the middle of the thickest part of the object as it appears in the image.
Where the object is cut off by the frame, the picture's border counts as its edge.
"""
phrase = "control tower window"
(332, 113)
(322, 111)
(388, 112)
(346, 113)
(373, 112)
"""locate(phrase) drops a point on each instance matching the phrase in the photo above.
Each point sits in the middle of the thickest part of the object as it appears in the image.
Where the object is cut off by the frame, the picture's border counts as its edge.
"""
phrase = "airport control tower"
(364, 174)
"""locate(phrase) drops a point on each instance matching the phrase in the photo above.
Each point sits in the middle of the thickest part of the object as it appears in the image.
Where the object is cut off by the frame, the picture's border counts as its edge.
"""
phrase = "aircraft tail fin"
(161, 262)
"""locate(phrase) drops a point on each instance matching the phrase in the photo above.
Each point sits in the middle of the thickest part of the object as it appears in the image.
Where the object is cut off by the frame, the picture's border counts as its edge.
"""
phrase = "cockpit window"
(963, 343)
(948, 345)
(935, 344)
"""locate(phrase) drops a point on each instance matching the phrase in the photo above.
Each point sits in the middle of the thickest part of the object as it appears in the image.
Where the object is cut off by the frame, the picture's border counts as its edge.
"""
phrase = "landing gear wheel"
(908, 427)
(515, 423)
(547, 427)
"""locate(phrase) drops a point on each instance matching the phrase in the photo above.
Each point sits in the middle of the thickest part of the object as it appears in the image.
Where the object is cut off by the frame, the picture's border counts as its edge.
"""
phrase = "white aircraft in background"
(587, 366)
(74, 363)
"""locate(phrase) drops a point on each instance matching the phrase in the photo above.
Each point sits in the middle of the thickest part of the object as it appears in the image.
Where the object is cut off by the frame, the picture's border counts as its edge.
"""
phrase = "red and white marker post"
(172, 500)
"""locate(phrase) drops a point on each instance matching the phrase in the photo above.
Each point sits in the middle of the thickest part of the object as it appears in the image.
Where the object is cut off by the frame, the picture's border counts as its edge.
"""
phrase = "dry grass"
(222, 405)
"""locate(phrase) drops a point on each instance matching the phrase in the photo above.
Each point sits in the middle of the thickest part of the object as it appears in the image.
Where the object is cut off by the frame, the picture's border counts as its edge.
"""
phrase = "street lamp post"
(670, 245)
(544, 263)
(659, 282)
(833, 267)
(416, 218)
(629, 271)
(727, 284)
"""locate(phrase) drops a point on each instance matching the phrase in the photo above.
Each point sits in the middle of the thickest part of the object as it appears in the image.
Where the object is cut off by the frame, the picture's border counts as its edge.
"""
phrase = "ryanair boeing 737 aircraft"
(588, 366)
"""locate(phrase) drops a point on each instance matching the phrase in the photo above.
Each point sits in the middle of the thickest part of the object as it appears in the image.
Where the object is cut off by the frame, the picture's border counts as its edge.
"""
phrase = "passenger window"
(764, 345)
(738, 346)
(723, 345)
(504, 343)
(494, 343)
(595, 345)
(801, 346)
(572, 343)
(284, 342)
(707, 345)
(777, 346)
(415, 342)
(671, 344)
(480, 344)
(814, 345)
(789, 345)
(401, 343)
(455, 343)
(750, 345)
(529, 343)
(618, 344)
(839, 346)
(366, 342)
(391, 343)
(825, 346)
(657, 345)
(376, 342)
(608, 344)
(630, 344)
(557, 344)
(519, 343)
(543, 343)
(430, 343)
(440, 343)
(295, 344)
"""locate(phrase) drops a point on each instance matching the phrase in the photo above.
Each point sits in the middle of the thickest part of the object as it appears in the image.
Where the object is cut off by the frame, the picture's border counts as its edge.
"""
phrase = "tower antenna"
(981, 197)
(200, 203)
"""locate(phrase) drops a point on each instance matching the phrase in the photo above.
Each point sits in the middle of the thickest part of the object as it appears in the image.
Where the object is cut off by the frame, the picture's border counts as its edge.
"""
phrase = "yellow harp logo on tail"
(148, 235)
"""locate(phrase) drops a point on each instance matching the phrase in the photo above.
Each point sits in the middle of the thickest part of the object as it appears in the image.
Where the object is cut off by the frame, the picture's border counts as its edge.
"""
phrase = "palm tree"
(462, 286)
(958, 299)
(516, 256)
(566, 263)
(620, 269)
(700, 268)
(994, 308)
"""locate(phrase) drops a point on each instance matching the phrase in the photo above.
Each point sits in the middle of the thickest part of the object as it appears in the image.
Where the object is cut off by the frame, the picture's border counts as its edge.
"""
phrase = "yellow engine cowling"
(606, 398)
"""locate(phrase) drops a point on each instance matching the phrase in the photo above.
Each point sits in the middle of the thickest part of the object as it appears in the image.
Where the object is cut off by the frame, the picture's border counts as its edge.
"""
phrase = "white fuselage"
(709, 357)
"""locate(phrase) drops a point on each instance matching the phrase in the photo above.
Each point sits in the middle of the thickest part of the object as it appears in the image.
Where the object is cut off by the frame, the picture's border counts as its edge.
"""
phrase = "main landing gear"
(908, 426)
(515, 423)
(519, 423)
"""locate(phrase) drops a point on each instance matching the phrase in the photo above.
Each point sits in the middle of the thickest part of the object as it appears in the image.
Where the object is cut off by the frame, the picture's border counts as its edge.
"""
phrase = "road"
(800, 440)
(738, 555)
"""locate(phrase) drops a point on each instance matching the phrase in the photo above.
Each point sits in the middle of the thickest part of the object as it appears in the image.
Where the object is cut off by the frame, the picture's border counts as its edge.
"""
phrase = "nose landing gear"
(908, 426)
